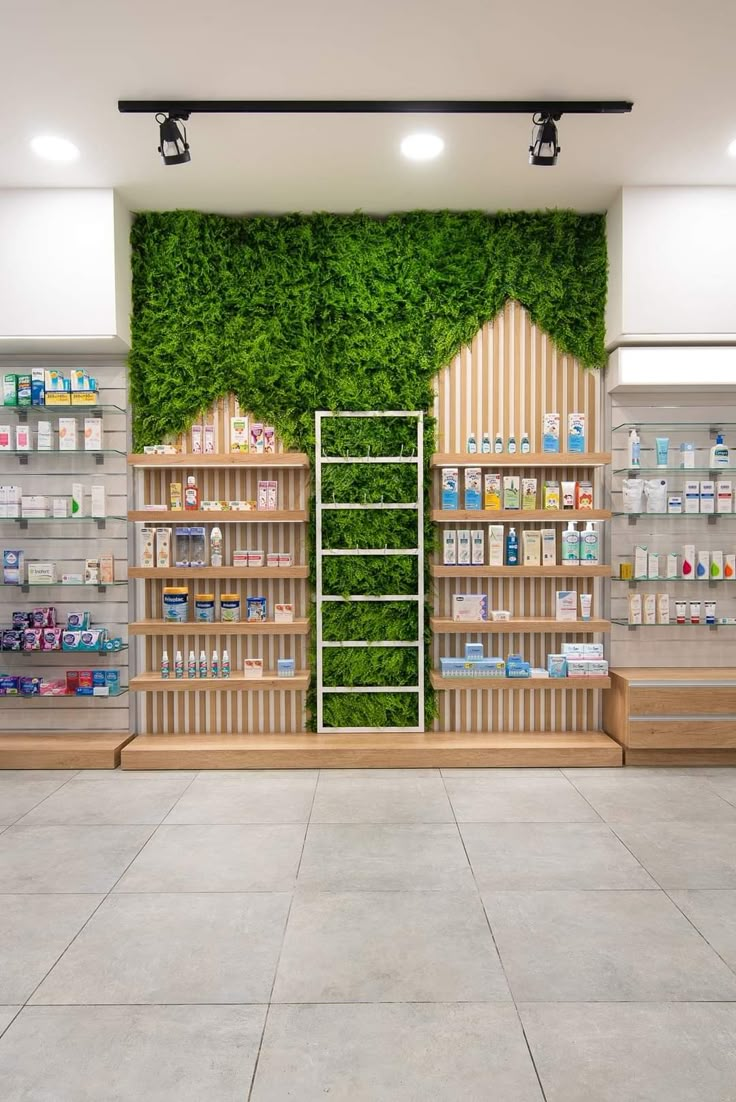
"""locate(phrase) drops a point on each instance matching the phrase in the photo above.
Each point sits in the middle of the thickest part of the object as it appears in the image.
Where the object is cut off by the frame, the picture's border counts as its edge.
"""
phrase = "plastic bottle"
(526, 447)
(225, 664)
(498, 444)
(571, 544)
(202, 664)
(589, 546)
(165, 666)
(191, 493)
(485, 445)
(215, 547)
(512, 444)
(178, 666)
(472, 444)
(191, 665)
(512, 548)
(215, 665)
(719, 453)
(634, 450)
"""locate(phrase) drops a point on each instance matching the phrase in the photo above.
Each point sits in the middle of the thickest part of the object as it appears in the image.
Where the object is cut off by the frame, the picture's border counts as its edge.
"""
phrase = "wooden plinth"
(61, 751)
(366, 751)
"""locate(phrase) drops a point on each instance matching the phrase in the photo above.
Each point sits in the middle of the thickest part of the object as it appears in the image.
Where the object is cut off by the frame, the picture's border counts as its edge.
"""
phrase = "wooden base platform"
(365, 751)
(31, 750)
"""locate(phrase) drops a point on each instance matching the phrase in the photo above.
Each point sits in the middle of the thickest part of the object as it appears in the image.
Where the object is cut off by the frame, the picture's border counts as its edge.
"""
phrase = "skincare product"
(256, 437)
(634, 449)
(6, 438)
(498, 444)
(583, 495)
(531, 545)
(477, 547)
(191, 493)
(60, 508)
(586, 604)
(688, 560)
(571, 546)
(91, 571)
(568, 495)
(147, 536)
(710, 612)
(729, 566)
(449, 547)
(511, 486)
(641, 563)
(655, 492)
(632, 490)
(626, 571)
(719, 453)
(175, 501)
(22, 438)
(44, 436)
(495, 545)
(589, 546)
(163, 547)
(663, 608)
(702, 565)
(512, 548)
(525, 446)
(179, 666)
(716, 565)
(77, 499)
(692, 497)
(472, 488)
(511, 444)
(551, 432)
(653, 564)
(695, 612)
(724, 497)
(492, 490)
(449, 488)
(485, 445)
(672, 570)
(687, 456)
(238, 434)
(209, 439)
(92, 434)
(707, 497)
(196, 439)
(674, 503)
(551, 495)
(576, 432)
(649, 609)
(107, 568)
(97, 500)
(566, 605)
(680, 611)
(662, 446)
(635, 608)
(472, 444)
(463, 547)
(549, 546)
(528, 493)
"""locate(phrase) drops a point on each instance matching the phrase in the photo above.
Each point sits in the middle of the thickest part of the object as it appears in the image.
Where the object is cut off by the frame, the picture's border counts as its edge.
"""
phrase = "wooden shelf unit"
(41, 750)
(546, 684)
(236, 683)
(553, 516)
(224, 460)
(217, 516)
(600, 571)
(539, 460)
(199, 627)
(201, 573)
(518, 625)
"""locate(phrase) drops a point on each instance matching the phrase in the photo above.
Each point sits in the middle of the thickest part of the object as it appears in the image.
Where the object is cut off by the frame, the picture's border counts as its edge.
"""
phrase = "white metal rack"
(322, 552)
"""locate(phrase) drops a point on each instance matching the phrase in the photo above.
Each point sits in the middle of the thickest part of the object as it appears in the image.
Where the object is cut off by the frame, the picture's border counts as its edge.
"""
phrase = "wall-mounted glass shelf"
(686, 471)
(26, 587)
(712, 517)
(23, 522)
(68, 654)
(27, 698)
(61, 411)
(695, 583)
(686, 426)
(671, 624)
(99, 454)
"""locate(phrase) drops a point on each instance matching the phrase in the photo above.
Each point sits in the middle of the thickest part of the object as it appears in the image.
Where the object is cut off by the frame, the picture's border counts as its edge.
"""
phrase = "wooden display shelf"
(547, 684)
(216, 516)
(198, 627)
(342, 750)
(554, 516)
(225, 572)
(533, 459)
(226, 460)
(438, 571)
(154, 683)
(41, 750)
(520, 624)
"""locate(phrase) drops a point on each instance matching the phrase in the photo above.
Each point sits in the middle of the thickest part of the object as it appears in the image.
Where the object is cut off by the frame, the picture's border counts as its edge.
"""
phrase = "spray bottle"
(178, 666)
(165, 666)
(191, 665)
(202, 664)
(215, 665)
(225, 664)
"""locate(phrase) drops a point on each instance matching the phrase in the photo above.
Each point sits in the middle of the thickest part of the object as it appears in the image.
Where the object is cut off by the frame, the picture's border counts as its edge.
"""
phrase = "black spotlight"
(544, 147)
(174, 147)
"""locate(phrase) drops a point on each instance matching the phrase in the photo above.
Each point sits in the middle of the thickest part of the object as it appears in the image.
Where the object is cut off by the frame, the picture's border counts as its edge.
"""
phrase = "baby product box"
(551, 432)
(576, 432)
(238, 434)
(449, 488)
(13, 567)
(469, 606)
(477, 547)
(492, 494)
(449, 548)
(472, 488)
(566, 605)
(463, 547)
(511, 487)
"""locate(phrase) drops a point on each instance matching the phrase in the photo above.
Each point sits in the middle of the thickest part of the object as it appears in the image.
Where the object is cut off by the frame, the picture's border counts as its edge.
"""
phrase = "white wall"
(672, 258)
(64, 271)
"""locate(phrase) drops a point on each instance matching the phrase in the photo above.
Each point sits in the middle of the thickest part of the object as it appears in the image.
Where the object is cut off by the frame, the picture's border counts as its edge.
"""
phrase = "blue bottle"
(512, 548)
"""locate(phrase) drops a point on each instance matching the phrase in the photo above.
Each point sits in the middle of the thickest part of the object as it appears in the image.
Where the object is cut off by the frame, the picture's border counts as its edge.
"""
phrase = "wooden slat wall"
(505, 380)
(226, 712)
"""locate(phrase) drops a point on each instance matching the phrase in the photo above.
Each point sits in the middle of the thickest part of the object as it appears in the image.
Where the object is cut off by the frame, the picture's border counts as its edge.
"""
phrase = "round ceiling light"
(54, 149)
(422, 147)
(732, 149)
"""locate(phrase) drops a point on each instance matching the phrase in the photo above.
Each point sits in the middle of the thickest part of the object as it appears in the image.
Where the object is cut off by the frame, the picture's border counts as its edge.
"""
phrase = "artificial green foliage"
(370, 666)
(304, 312)
(382, 528)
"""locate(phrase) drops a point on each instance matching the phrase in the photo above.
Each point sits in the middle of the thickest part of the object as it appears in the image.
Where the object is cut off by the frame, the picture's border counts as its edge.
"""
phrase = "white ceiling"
(65, 63)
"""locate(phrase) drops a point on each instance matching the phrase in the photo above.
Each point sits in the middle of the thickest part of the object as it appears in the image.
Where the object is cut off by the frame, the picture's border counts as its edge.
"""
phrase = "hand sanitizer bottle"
(165, 666)
(191, 665)
(472, 445)
(225, 664)
(525, 445)
(485, 446)
(634, 450)
(498, 444)
(202, 664)
(215, 665)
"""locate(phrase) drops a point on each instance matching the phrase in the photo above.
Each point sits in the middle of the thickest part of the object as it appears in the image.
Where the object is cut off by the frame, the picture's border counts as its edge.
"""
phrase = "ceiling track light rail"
(181, 108)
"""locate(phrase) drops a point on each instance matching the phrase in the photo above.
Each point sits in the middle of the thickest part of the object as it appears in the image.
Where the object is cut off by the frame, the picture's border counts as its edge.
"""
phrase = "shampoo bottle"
(589, 546)
(472, 444)
(719, 453)
(215, 547)
(512, 548)
(571, 545)
(634, 450)
(485, 445)
(225, 664)
(165, 666)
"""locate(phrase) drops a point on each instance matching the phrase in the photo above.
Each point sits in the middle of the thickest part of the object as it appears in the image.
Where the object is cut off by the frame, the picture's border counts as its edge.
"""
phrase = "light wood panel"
(512, 684)
(62, 750)
(518, 516)
(680, 757)
(201, 573)
(157, 517)
(541, 460)
(439, 571)
(258, 627)
(518, 625)
(340, 750)
(225, 460)
(674, 700)
(691, 734)
(236, 683)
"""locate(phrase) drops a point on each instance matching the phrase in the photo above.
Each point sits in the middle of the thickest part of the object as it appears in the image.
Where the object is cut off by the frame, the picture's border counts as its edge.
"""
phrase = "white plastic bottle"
(202, 664)
(215, 665)
(571, 545)
(512, 444)
(498, 444)
(719, 453)
(634, 450)
(191, 665)
(472, 444)
(485, 445)
(165, 666)
(589, 546)
(215, 547)
(178, 666)
(525, 447)
(225, 664)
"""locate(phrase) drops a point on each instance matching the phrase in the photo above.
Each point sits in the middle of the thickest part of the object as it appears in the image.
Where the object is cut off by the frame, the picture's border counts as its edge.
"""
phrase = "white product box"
(724, 497)
(649, 608)
(44, 436)
(577, 667)
(566, 605)
(267, 494)
(596, 667)
(41, 573)
(13, 495)
(673, 569)
(67, 434)
(531, 548)
(692, 497)
(97, 494)
(477, 547)
(511, 491)
(60, 508)
(148, 557)
(592, 650)
(240, 558)
(6, 438)
(91, 571)
(283, 613)
(449, 547)
(473, 495)
(463, 547)
(641, 561)
(72, 579)
(22, 438)
(196, 439)
(702, 565)
(551, 432)
(3, 502)
(495, 545)
(253, 668)
(163, 547)
(663, 608)
(92, 434)
(549, 547)
(77, 499)
(674, 503)
(635, 609)
(35, 505)
(653, 564)
(107, 569)
(209, 439)
(469, 606)
(707, 497)
(272, 558)
(285, 558)
(256, 558)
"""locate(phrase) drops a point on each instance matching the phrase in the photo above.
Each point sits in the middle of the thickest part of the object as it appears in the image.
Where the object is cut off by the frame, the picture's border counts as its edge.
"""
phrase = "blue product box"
(450, 488)
(255, 609)
(70, 640)
(112, 680)
(474, 650)
(517, 667)
(9, 686)
(12, 567)
(472, 488)
(77, 621)
(30, 686)
(557, 665)
(285, 667)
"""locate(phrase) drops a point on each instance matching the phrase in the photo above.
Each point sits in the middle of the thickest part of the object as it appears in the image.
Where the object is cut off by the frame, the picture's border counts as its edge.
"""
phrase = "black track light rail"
(182, 108)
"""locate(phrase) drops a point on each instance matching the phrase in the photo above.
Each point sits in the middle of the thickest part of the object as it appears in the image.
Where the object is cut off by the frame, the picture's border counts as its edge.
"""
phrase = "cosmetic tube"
(586, 601)
(680, 611)
(695, 612)
(662, 444)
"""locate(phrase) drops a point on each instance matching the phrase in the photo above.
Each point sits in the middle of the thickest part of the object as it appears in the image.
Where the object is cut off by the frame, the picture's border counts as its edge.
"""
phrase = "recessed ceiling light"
(54, 149)
(422, 147)
(732, 149)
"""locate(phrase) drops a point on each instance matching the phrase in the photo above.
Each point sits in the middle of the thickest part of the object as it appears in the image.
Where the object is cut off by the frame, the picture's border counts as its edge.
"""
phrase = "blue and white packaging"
(576, 432)
(557, 665)
(13, 567)
(449, 488)
(473, 494)
(474, 651)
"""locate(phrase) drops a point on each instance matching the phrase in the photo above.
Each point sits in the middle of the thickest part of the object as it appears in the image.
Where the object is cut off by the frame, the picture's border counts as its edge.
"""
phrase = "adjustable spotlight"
(544, 147)
(174, 147)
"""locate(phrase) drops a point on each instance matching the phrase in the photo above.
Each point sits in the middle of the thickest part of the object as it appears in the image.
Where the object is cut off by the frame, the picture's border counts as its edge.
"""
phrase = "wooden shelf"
(533, 459)
(520, 624)
(197, 627)
(554, 516)
(438, 571)
(152, 682)
(341, 750)
(222, 459)
(40, 750)
(203, 572)
(215, 516)
(547, 684)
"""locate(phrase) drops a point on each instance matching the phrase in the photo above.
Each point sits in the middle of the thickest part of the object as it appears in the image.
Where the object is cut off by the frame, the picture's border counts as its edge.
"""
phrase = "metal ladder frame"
(418, 551)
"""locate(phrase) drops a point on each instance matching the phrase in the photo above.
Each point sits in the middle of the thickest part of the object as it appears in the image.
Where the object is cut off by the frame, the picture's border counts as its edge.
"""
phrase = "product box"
(24, 390)
(6, 438)
(41, 573)
(477, 547)
(163, 547)
(492, 490)
(78, 621)
(653, 564)
(674, 503)
(107, 569)
(702, 565)
(687, 456)
(472, 488)
(641, 561)
(596, 667)
(557, 665)
(72, 579)
(729, 566)
(267, 494)
(531, 548)
(577, 667)
(255, 609)
(38, 386)
(716, 565)
(473, 652)
(469, 607)
(147, 538)
(196, 439)
(97, 501)
(67, 434)
(77, 499)
(32, 639)
(450, 498)
(272, 558)
(91, 571)
(511, 491)
(12, 496)
(551, 495)
(528, 493)
(44, 436)
(9, 686)
(724, 497)
(576, 432)
(79, 380)
(649, 608)
(549, 546)
(58, 399)
(30, 686)
(663, 608)
(35, 506)
(692, 497)
(285, 667)
(256, 437)
(574, 650)
(209, 439)
(240, 558)
(449, 547)
(256, 558)
(53, 381)
(92, 434)
(175, 498)
(566, 605)
(22, 438)
(253, 667)
(285, 558)
(283, 613)
(551, 432)
(10, 390)
(583, 495)
(707, 496)
(635, 606)
(672, 568)
(238, 434)
(495, 544)
(463, 547)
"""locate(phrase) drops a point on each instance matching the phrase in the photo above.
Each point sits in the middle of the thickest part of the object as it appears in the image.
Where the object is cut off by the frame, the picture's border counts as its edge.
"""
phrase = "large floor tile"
(131, 1053)
(714, 914)
(415, 798)
(550, 855)
(251, 796)
(395, 1053)
(677, 1052)
(7, 1013)
(113, 801)
(603, 947)
(621, 796)
(173, 949)
(724, 783)
(363, 857)
(494, 771)
(217, 859)
(22, 789)
(34, 931)
(389, 947)
(67, 858)
(684, 855)
(496, 798)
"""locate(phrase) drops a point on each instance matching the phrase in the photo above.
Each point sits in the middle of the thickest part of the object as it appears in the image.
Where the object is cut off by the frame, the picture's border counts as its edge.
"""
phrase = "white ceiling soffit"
(676, 369)
(65, 65)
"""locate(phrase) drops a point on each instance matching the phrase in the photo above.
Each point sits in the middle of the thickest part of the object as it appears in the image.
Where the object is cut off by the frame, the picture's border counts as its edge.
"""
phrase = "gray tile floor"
(463, 935)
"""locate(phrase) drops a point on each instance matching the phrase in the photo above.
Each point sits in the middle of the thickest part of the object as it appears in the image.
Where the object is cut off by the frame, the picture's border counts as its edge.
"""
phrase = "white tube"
(586, 602)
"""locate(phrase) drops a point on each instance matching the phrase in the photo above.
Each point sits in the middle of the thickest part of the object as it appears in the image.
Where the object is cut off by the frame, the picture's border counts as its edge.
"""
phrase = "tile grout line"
(43, 799)
(696, 928)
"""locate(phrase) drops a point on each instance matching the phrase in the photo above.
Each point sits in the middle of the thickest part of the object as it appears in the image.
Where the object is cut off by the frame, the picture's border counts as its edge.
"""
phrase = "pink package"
(256, 436)
(51, 638)
(53, 688)
(267, 494)
(269, 439)
(32, 639)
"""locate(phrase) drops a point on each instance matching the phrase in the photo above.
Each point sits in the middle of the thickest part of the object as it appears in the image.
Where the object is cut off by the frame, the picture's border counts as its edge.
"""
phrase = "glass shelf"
(674, 470)
(27, 588)
(690, 516)
(28, 697)
(98, 454)
(23, 521)
(61, 411)
(671, 624)
(695, 583)
(67, 654)
(687, 426)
